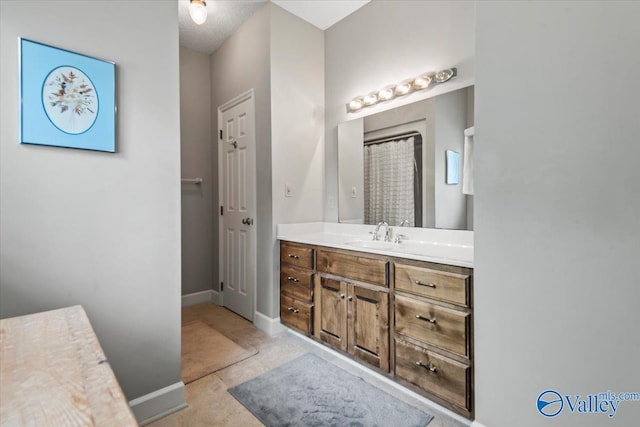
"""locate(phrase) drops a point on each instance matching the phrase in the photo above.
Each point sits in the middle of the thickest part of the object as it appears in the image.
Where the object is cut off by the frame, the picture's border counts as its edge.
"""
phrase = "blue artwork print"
(67, 99)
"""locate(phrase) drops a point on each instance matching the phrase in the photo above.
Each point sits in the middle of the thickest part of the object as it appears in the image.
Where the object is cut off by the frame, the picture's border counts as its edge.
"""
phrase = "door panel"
(368, 325)
(331, 306)
(237, 188)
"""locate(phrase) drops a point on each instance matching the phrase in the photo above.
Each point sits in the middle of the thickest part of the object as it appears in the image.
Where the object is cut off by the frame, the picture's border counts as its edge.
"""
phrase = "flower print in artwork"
(70, 100)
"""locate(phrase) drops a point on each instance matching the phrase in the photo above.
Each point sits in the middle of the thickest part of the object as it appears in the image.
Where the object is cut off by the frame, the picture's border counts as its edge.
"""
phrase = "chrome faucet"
(387, 236)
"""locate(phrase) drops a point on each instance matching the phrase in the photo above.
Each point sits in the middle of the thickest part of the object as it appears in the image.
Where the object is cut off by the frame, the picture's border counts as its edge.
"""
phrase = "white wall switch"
(354, 193)
(331, 201)
(288, 190)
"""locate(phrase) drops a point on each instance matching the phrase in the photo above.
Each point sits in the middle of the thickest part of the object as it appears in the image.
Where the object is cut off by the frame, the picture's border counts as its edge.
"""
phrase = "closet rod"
(391, 138)
(192, 180)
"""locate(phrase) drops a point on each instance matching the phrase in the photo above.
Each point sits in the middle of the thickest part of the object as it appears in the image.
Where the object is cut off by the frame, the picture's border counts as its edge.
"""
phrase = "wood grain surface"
(54, 373)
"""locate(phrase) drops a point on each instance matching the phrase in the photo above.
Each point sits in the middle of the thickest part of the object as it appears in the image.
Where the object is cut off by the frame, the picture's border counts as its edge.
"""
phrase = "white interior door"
(238, 199)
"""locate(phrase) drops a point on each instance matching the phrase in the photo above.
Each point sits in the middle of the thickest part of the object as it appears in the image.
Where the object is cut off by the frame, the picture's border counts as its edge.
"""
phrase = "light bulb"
(385, 94)
(198, 11)
(444, 75)
(422, 82)
(356, 104)
(370, 99)
(402, 89)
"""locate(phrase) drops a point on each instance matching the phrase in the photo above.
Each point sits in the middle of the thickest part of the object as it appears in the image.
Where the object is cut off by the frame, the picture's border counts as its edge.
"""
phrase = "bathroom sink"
(374, 244)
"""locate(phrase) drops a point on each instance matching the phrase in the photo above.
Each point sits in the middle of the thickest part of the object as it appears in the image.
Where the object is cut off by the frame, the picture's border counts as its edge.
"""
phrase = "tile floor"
(208, 402)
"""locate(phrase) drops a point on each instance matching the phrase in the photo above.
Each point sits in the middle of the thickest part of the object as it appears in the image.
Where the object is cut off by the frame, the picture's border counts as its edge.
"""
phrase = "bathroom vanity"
(403, 309)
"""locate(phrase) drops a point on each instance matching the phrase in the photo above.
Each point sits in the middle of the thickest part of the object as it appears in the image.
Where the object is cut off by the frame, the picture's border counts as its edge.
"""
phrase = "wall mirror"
(392, 165)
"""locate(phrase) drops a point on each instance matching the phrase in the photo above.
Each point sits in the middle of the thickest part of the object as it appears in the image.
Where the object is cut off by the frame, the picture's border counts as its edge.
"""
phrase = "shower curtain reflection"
(392, 180)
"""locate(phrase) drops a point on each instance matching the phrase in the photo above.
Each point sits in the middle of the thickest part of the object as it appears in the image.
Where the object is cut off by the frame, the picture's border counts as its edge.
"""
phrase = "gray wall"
(383, 43)
(297, 127)
(557, 237)
(450, 123)
(100, 229)
(199, 253)
(242, 63)
(281, 57)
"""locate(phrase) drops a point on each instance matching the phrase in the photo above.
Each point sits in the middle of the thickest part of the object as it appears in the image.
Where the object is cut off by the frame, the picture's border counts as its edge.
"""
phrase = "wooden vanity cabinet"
(410, 319)
(296, 286)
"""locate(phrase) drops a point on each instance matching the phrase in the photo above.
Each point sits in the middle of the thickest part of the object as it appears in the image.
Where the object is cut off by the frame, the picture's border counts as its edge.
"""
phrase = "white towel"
(467, 162)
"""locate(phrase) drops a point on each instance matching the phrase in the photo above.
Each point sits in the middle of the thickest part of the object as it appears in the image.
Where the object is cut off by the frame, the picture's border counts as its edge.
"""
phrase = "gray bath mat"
(309, 391)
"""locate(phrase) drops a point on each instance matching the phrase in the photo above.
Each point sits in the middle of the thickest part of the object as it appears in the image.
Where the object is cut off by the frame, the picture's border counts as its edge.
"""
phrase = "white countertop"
(453, 247)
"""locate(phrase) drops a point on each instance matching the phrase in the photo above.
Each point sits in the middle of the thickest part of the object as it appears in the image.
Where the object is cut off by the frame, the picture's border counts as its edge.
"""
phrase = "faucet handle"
(399, 238)
(375, 235)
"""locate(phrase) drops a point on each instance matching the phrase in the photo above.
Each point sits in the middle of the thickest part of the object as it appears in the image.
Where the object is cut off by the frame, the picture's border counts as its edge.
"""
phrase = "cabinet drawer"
(353, 267)
(296, 314)
(442, 285)
(433, 373)
(432, 324)
(296, 282)
(298, 255)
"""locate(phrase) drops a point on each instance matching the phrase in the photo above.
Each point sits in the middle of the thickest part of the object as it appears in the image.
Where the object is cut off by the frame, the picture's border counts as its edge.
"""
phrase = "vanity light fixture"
(421, 82)
(198, 11)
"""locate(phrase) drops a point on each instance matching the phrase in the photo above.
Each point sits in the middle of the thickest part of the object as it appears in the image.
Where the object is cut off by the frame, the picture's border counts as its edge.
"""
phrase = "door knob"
(247, 221)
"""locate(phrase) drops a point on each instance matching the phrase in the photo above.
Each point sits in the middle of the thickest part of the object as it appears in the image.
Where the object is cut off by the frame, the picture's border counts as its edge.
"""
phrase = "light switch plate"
(288, 190)
(332, 202)
(354, 193)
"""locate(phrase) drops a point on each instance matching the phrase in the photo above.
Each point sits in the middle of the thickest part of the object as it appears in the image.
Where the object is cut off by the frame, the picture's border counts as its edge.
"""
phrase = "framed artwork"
(66, 99)
(453, 167)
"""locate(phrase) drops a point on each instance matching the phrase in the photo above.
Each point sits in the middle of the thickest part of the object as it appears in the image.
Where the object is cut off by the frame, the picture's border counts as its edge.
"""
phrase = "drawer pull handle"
(294, 310)
(292, 279)
(431, 367)
(294, 256)
(428, 319)
(431, 285)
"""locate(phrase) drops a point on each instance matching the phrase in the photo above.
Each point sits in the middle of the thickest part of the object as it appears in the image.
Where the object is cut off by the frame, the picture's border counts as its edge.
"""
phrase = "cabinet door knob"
(430, 366)
(292, 279)
(350, 298)
(431, 285)
(426, 319)
(341, 296)
(294, 256)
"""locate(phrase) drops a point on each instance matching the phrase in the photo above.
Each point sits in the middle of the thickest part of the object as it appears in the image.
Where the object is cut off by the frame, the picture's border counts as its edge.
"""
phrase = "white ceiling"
(321, 13)
(225, 16)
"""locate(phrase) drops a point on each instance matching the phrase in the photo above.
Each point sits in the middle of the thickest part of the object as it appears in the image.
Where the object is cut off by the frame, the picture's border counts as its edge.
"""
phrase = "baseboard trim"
(197, 298)
(477, 424)
(268, 325)
(159, 403)
(368, 372)
(216, 297)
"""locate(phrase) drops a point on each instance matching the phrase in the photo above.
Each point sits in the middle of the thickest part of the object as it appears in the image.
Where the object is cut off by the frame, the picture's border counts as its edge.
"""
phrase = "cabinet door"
(368, 326)
(331, 312)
